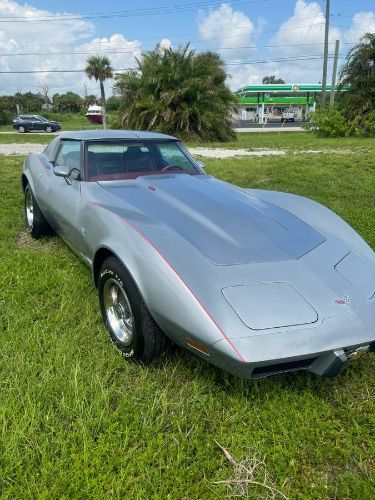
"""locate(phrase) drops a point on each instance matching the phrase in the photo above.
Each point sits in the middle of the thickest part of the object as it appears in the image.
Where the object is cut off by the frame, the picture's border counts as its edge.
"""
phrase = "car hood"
(226, 224)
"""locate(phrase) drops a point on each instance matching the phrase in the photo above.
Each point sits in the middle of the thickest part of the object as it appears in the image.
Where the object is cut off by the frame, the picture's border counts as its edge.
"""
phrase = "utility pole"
(332, 96)
(325, 58)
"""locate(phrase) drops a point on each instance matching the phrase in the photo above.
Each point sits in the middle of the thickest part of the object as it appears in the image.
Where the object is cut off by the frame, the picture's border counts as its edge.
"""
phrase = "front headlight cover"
(359, 272)
(262, 306)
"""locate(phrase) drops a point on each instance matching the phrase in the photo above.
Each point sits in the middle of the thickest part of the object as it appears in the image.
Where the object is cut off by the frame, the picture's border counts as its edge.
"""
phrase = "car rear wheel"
(21, 129)
(36, 222)
(49, 129)
(131, 327)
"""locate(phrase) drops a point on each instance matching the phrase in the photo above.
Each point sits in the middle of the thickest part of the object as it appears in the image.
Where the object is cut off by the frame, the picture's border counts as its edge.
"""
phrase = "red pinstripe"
(177, 274)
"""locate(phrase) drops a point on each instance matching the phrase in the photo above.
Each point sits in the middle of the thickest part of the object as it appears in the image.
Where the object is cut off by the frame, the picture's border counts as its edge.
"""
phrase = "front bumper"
(322, 350)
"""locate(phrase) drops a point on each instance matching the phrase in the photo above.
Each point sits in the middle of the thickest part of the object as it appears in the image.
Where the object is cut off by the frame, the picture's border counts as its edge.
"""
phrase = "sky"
(255, 38)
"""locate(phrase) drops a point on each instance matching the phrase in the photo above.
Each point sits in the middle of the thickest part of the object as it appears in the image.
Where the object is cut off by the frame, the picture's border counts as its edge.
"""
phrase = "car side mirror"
(62, 171)
(66, 172)
(201, 164)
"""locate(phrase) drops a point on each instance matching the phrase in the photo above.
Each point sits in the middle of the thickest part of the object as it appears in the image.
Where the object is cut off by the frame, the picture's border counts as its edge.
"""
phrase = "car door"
(36, 123)
(25, 122)
(59, 196)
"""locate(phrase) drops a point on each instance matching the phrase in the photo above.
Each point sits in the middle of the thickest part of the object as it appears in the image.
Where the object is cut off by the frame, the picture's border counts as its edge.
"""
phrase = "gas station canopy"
(299, 95)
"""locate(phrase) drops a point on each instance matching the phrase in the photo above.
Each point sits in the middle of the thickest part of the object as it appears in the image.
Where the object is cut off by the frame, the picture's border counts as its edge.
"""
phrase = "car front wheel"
(49, 129)
(36, 222)
(21, 129)
(131, 327)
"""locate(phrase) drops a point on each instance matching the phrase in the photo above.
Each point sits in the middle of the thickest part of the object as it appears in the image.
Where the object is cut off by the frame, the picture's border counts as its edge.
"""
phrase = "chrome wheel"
(29, 209)
(118, 311)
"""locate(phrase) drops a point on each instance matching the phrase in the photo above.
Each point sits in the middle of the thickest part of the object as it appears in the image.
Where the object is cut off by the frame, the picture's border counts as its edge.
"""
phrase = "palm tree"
(358, 73)
(99, 67)
(178, 92)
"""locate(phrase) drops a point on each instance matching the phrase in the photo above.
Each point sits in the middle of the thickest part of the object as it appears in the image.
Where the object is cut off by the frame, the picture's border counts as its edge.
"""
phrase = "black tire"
(49, 129)
(21, 129)
(147, 342)
(37, 224)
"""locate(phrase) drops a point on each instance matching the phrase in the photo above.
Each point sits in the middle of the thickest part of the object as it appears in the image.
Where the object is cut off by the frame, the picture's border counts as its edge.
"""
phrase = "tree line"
(185, 93)
(69, 102)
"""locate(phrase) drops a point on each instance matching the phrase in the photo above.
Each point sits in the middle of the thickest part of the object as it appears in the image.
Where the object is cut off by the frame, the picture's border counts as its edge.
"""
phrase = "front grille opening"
(289, 366)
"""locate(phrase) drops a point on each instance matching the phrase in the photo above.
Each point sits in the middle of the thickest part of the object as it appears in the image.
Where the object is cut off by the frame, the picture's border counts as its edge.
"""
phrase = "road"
(248, 126)
(271, 126)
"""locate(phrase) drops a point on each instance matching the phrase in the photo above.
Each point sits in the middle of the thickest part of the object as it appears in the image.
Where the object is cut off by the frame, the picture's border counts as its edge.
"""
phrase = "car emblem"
(342, 300)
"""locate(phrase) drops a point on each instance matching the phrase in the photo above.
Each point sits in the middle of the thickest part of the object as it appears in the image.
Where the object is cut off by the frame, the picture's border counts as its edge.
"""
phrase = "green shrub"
(332, 123)
(367, 123)
(179, 92)
(58, 117)
(5, 117)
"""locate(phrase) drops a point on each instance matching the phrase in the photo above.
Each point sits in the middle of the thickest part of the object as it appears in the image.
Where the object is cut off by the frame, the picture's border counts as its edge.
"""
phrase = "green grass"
(76, 421)
(290, 140)
(69, 121)
(26, 138)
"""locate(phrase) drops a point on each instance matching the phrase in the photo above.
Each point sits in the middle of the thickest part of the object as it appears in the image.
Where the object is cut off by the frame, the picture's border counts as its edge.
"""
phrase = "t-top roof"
(97, 135)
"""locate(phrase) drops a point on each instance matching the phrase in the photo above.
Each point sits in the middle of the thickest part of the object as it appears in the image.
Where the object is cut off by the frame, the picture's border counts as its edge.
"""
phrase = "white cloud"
(363, 22)
(303, 33)
(232, 27)
(165, 43)
(125, 50)
(222, 27)
(45, 37)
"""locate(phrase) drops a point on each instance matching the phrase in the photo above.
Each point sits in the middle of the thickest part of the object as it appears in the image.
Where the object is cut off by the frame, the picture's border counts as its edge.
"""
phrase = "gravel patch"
(231, 153)
(21, 149)
(221, 153)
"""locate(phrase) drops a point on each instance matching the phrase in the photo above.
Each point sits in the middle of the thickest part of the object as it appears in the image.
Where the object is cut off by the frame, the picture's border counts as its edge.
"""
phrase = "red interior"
(134, 175)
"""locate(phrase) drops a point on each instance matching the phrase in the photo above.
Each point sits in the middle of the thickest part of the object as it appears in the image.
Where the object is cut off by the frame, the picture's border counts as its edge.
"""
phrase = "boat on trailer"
(95, 114)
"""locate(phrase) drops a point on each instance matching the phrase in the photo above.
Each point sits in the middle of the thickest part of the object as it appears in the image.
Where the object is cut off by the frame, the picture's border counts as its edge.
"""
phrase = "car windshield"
(108, 161)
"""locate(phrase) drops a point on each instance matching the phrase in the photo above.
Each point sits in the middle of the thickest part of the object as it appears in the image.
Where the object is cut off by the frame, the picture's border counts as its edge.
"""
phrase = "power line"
(260, 61)
(349, 27)
(136, 12)
(158, 37)
(120, 51)
(167, 9)
(227, 37)
(286, 59)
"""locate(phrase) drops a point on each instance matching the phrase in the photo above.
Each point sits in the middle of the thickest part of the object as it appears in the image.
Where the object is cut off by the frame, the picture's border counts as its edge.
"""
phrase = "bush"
(5, 117)
(179, 92)
(113, 104)
(69, 102)
(58, 117)
(332, 123)
(367, 123)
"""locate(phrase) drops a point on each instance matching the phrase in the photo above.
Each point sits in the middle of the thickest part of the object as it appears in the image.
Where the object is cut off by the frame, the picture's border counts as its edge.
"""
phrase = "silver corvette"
(255, 282)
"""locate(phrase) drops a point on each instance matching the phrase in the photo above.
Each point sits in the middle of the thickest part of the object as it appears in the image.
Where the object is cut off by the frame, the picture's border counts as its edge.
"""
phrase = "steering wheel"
(170, 167)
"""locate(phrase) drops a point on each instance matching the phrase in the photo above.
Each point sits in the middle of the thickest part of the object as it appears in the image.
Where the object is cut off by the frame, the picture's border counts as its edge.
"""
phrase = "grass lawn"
(76, 421)
(70, 121)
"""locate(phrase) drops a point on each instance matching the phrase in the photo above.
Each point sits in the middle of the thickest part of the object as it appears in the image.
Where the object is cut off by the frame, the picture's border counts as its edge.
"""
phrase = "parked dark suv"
(25, 123)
